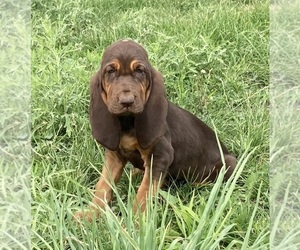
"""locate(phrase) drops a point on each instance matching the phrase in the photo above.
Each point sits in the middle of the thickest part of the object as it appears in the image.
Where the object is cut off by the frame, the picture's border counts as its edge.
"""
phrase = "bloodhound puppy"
(131, 117)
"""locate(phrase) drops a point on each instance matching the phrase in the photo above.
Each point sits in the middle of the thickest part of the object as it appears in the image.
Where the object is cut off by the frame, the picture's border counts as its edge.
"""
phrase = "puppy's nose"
(127, 100)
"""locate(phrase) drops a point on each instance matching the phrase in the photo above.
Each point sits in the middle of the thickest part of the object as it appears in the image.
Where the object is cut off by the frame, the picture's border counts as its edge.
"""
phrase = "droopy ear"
(151, 123)
(106, 128)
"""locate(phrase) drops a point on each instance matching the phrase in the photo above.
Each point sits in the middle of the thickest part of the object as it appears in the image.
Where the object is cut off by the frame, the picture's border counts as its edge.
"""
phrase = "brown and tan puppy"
(131, 117)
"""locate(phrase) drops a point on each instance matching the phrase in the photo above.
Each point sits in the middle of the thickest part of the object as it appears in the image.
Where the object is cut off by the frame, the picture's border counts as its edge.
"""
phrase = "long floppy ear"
(106, 128)
(150, 125)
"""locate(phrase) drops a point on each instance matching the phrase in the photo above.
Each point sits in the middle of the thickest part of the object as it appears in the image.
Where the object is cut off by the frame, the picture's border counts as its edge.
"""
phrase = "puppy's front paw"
(137, 171)
(86, 215)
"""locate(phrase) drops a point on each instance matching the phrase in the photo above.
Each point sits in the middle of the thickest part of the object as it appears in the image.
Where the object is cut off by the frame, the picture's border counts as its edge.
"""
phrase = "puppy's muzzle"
(126, 99)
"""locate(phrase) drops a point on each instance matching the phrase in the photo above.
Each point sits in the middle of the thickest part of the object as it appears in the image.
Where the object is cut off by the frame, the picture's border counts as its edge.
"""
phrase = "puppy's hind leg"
(230, 163)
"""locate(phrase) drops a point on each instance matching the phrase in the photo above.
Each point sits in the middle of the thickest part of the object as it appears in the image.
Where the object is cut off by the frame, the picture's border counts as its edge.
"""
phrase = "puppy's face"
(125, 78)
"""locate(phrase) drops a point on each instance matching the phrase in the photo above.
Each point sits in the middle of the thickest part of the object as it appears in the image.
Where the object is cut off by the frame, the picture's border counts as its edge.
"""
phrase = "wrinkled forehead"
(125, 51)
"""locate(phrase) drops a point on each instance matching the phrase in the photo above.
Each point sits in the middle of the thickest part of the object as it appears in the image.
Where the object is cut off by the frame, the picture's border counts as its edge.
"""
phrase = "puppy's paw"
(137, 171)
(86, 215)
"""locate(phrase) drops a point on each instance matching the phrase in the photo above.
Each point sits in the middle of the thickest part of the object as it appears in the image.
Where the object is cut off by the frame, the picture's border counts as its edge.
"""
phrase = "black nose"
(127, 101)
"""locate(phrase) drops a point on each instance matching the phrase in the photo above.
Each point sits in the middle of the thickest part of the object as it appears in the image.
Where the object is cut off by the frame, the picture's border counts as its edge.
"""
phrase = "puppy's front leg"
(111, 172)
(154, 175)
(144, 190)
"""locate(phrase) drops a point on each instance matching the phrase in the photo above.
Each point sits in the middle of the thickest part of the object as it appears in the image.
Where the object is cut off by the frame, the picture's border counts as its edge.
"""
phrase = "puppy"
(132, 119)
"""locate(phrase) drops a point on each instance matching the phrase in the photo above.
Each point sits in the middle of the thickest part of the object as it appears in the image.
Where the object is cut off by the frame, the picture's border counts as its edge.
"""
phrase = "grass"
(14, 125)
(284, 150)
(214, 57)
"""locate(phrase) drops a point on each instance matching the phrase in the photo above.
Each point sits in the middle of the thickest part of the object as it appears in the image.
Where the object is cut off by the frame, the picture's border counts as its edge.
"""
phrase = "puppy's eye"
(139, 70)
(110, 70)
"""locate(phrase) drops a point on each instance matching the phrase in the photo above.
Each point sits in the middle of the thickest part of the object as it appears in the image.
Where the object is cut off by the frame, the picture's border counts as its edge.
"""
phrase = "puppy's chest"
(129, 146)
(128, 143)
(130, 150)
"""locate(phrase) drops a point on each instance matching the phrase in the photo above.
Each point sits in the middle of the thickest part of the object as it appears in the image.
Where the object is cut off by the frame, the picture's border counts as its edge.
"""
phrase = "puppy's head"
(125, 75)
(127, 84)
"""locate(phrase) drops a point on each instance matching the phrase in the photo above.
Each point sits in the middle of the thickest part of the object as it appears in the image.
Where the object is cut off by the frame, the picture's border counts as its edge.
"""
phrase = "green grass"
(285, 132)
(214, 57)
(15, 124)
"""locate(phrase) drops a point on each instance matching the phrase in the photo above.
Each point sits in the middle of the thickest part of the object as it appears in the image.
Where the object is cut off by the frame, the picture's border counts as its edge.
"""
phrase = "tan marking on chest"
(130, 143)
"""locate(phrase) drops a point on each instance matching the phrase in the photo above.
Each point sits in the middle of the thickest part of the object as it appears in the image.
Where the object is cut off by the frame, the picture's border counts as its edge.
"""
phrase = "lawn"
(214, 58)
(284, 124)
(15, 145)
